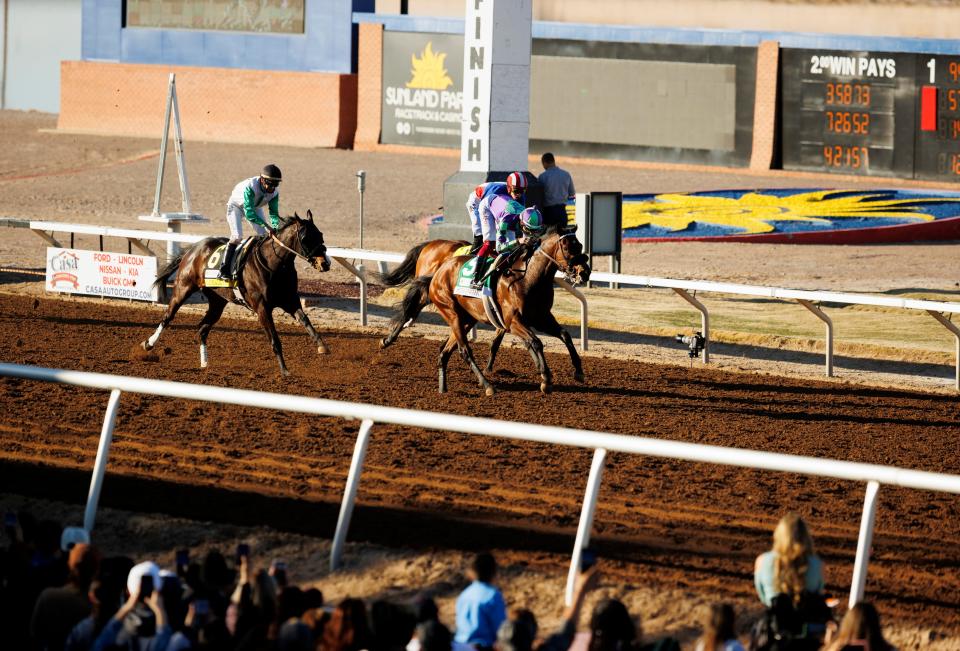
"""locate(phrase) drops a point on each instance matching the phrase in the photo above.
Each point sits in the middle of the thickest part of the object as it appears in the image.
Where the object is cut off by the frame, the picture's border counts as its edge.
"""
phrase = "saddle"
(486, 293)
(211, 271)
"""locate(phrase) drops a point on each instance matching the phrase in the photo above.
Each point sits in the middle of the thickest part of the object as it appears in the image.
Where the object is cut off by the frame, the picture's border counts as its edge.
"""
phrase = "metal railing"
(600, 442)
(940, 311)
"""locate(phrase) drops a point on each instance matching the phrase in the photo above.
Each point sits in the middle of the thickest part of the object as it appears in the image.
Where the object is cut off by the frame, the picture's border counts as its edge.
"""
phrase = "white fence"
(941, 311)
(600, 442)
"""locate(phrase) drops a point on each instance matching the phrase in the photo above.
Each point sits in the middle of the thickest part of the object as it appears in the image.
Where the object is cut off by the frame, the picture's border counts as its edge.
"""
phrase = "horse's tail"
(416, 298)
(164, 275)
(406, 270)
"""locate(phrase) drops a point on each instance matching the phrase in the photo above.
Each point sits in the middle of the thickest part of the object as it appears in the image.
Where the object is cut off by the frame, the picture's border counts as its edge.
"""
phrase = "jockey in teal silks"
(514, 225)
(478, 206)
(246, 202)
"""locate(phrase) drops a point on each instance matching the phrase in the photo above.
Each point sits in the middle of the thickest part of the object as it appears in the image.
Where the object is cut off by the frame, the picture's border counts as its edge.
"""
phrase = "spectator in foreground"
(791, 567)
(347, 629)
(519, 631)
(611, 629)
(557, 189)
(860, 631)
(141, 623)
(480, 607)
(719, 630)
(58, 610)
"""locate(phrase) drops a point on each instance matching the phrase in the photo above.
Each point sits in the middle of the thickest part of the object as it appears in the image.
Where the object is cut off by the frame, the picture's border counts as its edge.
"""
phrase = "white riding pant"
(235, 220)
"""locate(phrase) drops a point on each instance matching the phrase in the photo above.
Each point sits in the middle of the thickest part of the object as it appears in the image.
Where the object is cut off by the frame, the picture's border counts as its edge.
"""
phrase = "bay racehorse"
(422, 260)
(524, 294)
(267, 280)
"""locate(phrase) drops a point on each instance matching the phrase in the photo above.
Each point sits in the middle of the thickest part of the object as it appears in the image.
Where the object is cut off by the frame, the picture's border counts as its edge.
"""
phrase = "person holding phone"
(141, 622)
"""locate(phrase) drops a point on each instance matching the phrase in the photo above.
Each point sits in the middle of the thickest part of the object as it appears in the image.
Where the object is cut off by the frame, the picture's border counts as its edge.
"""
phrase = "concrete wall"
(39, 34)
(306, 109)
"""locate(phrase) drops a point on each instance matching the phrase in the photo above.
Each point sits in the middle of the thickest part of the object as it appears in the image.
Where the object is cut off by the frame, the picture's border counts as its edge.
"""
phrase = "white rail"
(806, 298)
(600, 442)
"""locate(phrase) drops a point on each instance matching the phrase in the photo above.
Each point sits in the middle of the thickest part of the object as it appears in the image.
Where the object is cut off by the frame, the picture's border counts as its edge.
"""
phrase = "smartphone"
(588, 558)
(146, 586)
(183, 558)
(201, 606)
(243, 551)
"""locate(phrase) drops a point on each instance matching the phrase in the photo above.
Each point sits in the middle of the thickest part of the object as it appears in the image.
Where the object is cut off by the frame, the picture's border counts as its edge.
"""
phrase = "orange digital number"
(951, 99)
(954, 71)
(837, 156)
(847, 122)
(838, 94)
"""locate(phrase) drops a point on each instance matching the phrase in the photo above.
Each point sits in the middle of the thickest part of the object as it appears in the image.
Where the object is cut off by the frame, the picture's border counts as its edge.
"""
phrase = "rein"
(275, 242)
(564, 268)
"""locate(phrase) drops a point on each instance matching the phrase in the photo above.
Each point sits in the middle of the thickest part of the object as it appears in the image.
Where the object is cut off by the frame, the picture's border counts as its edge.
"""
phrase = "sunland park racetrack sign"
(101, 273)
(422, 89)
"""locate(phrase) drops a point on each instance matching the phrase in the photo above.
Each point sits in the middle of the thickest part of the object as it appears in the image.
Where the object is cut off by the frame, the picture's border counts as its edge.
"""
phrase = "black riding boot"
(478, 272)
(227, 260)
(477, 243)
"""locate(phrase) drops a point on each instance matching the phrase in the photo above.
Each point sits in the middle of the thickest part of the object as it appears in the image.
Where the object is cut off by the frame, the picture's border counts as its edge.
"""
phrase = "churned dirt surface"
(672, 527)
(673, 536)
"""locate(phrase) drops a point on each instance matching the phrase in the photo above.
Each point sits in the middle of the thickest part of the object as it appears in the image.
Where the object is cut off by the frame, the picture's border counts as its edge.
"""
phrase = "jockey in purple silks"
(514, 224)
(478, 206)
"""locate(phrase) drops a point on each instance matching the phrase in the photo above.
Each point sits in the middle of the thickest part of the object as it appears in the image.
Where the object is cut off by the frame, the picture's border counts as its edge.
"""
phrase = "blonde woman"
(791, 567)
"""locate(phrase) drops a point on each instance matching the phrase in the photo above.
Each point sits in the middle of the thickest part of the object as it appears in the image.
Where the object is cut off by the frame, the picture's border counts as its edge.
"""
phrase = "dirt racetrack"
(660, 523)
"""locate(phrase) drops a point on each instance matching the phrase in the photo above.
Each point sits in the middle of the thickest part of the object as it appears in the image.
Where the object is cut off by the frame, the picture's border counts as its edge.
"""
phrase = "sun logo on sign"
(428, 71)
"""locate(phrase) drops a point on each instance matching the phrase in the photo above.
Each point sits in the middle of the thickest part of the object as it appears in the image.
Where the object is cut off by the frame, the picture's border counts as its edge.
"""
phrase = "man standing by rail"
(557, 189)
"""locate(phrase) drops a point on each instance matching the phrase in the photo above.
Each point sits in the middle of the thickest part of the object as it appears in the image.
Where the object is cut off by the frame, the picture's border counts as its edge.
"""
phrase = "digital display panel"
(938, 123)
(848, 112)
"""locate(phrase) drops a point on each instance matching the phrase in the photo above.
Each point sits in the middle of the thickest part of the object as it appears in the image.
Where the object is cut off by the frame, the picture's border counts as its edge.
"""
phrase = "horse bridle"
(565, 268)
(308, 258)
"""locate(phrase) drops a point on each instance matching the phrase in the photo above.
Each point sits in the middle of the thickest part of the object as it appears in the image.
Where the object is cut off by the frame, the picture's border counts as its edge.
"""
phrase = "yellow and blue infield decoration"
(792, 215)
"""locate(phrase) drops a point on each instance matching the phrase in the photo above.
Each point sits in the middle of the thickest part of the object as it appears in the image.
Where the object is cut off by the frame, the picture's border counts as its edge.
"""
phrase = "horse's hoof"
(323, 350)
(203, 365)
(489, 391)
(578, 376)
(544, 388)
(384, 343)
(145, 345)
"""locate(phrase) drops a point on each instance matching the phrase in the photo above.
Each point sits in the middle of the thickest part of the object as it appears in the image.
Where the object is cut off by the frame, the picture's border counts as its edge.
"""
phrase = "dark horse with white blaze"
(266, 281)
(524, 294)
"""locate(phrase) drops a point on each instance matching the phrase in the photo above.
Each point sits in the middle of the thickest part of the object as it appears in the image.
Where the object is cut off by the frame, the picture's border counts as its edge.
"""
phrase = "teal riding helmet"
(531, 221)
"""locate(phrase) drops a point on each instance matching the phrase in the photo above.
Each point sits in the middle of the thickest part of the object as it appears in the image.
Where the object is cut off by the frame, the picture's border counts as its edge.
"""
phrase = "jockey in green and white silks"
(246, 202)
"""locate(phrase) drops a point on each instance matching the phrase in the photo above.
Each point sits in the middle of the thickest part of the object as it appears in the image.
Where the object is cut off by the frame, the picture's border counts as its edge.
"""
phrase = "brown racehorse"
(525, 298)
(422, 260)
(266, 281)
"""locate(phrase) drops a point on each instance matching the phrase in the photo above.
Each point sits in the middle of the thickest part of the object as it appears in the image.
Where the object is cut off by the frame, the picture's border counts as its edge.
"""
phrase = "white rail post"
(704, 320)
(363, 294)
(829, 324)
(350, 493)
(586, 520)
(100, 465)
(949, 325)
(360, 273)
(584, 323)
(859, 583)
